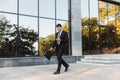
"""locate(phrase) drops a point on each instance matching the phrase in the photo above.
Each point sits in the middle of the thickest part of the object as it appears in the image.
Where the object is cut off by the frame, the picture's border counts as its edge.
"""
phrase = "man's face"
(59, 28)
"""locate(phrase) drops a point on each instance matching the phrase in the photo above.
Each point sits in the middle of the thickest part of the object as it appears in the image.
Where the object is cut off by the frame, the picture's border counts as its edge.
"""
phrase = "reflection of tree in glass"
(10, 42)
(25, 42)
(110, 8)
(90, 33)
(4, 29)
(90, 29)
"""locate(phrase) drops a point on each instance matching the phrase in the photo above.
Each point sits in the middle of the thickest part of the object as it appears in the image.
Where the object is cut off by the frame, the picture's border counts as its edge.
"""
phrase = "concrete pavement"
(76, 71)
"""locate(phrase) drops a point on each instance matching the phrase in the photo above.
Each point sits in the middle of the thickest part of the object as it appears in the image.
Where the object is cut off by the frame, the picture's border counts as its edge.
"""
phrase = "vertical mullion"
(89, 24)
(69, 23)
(17, 29)
(55, 14)
(108, 40)
(99, 26)
(38, 31)
(115, 29)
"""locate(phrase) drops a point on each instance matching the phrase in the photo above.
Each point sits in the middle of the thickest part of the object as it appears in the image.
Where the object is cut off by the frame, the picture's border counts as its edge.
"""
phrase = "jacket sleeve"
(54, 43)
(64, 39)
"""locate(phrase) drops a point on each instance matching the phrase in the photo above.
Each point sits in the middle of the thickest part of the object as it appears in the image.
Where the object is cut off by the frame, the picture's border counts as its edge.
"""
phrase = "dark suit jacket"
(63, 37)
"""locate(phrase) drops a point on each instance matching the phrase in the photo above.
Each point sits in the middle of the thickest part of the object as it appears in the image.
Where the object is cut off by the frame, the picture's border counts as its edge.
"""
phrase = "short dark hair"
(58, 25)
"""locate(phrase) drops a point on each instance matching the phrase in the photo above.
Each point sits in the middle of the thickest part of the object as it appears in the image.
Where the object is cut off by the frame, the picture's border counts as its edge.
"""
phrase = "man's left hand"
(58, 39)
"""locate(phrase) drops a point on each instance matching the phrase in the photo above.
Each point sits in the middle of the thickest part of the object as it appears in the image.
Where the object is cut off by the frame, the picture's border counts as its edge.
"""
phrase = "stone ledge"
(32, 61)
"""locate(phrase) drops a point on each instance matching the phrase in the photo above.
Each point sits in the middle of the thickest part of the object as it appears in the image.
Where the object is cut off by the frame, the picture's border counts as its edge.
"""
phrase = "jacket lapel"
(61, 34)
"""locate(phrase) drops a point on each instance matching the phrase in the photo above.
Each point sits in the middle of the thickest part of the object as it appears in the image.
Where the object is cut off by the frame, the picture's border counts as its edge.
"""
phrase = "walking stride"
(60, 44)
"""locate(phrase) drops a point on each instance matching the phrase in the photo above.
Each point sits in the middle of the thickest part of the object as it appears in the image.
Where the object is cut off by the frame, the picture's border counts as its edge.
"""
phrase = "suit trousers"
(59, 53)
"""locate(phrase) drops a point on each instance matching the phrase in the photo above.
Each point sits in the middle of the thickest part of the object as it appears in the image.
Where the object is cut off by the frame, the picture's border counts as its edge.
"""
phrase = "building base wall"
(32, 61)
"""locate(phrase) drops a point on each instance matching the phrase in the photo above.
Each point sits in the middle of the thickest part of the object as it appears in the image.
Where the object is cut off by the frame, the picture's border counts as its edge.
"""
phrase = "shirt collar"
(60, 32)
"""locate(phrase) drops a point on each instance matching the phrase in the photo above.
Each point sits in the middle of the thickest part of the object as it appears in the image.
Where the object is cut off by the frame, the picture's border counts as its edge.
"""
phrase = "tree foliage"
(92, 32)
(16, 41)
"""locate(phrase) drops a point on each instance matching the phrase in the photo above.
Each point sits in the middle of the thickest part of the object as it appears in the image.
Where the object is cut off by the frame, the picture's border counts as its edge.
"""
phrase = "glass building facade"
(100, 26)
(27, 27)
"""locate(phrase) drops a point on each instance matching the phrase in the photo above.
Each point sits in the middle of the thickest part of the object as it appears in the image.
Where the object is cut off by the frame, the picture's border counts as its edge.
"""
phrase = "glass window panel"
(104, 40)
(29, 7)
(85, 26)
(117, 16)
(84, 9)
(103, 12)
(46, 34)
(6, 47)
(12, 20)
(8, 5)
(47, 8)
(116, 0)
(94, 29)
(94, 8)
(10, 17)
(62, 9)
(112, 25)
(111, 15)
(112, 40)
(47, 27)
(118, 27)
(107, 40)
(29, 24)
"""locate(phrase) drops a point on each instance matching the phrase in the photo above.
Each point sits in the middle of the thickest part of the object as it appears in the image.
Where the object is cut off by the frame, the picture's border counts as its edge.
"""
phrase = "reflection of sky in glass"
(84, 8)
(117, 0)
(10, 17)
(28, 22)
(47, 27)
(62, 9)
(8, 5)
(28, 7)
(93, 8)
(109, 16)
(47, 9)
(61, 22)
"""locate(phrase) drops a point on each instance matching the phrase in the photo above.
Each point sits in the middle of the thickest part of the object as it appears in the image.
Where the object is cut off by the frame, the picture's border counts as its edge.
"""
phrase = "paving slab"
(75, 72)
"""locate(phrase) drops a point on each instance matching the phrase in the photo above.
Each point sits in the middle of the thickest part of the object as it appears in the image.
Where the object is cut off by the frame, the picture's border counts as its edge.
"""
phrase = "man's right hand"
(58, 39)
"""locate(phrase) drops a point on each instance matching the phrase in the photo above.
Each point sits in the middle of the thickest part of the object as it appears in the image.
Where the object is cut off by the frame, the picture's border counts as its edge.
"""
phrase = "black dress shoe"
(57, 72)
(66, 68)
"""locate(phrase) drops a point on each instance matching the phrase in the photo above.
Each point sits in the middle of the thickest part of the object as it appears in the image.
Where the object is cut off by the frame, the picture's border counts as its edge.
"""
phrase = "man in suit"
(60, 43)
